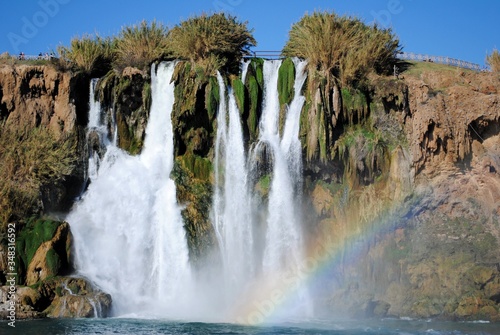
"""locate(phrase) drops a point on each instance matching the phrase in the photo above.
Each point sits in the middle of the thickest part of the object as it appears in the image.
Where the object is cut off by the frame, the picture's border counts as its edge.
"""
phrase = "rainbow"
(273, 296)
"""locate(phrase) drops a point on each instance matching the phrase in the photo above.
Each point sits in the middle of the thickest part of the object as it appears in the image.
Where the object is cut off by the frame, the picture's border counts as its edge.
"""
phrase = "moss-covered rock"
(194, 193)
(43, 250)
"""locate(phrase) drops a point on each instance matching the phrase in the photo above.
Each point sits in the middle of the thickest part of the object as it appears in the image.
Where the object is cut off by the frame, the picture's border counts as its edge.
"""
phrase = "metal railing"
(33, 57)
(440, 60)
(267, 54)
(272, 54)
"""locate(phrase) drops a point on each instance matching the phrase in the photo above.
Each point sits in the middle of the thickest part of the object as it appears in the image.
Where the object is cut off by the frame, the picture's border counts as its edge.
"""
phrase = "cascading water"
(129, 234)
(283, 237)
(284, 246)
(235, 222)
(128, 229)
(97, 132)
(232, 201)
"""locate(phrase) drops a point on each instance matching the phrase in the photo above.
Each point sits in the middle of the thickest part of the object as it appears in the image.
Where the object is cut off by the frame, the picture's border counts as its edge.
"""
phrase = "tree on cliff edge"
(215, 42)
(342, 51)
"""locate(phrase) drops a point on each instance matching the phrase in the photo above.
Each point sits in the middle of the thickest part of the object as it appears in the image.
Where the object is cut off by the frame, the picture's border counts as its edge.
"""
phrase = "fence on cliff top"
(440, 60)
(411, 56)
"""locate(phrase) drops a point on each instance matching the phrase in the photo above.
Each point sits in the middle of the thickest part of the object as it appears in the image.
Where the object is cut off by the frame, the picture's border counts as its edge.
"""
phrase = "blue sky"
(466, 30)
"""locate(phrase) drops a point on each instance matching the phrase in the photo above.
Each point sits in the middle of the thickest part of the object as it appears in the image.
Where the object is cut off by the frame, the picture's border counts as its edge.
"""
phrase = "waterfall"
(284, 246)
(129, 234)
(232, 202)
(97, 133)
(283, 237)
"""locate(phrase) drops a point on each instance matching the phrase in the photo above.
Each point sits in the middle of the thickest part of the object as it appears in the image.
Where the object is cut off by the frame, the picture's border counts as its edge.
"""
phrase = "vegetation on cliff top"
(214, 42)
(493, 60)
(342, 47)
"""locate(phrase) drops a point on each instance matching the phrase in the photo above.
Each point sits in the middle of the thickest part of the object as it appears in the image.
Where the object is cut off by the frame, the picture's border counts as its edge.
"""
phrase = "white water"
(96, 126)
(129, 235)
(235, 215)
(233, 220)
(284, 247)
(283, 238)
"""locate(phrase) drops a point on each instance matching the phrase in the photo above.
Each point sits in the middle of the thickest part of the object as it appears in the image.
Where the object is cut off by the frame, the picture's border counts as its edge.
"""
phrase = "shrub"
(214, 42)
(140, 45)
(89, 54)
(493, 61)
(30, 159)
(344, 47)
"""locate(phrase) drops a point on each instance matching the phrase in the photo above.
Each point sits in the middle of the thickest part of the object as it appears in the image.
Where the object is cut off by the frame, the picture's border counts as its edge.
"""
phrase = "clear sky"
(466, 30)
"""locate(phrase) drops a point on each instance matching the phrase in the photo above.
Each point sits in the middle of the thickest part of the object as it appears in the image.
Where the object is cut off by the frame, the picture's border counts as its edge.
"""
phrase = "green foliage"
(493, 61)
(140, 45)
(254, 96)
(53, 261)
(30, 159)
(342, 46)
(255, 85)
(215, 42)
(88, 53)
(212, 97)
(363, 149)
(239, 93)
(257, 67)
(29, 239)
(196, 197)
(354, 104)
(286, 80)
(201, 168)
(147, 98)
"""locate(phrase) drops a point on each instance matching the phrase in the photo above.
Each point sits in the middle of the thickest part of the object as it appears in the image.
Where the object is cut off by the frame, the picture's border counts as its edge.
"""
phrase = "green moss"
(146, 95)
(212, 97)
(254, 94)
(200, 167)
(53, 261)
(74, 288)
(257, 67)
(239, 93)
(286, 80)
(195, 195)
(59, 291)
(29, 240)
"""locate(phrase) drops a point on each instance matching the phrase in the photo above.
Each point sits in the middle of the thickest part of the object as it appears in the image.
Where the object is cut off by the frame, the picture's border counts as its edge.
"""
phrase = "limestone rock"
(50, 256)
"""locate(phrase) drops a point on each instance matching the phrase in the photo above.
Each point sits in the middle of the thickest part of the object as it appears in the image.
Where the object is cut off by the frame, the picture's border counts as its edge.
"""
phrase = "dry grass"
(140, 45)
(30, 159)
(88, 53)
(215, 42)
(342, 46)
(493, 61)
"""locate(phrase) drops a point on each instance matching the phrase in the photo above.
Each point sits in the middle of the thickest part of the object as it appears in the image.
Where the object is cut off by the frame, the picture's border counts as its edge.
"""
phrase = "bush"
(30, 159)
(140, 45)
(214, 42)
(90, 54)
(344, 47)
(493, 61)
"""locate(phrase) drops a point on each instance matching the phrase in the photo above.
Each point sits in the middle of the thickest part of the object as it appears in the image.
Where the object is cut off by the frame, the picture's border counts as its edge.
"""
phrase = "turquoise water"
(153, 327)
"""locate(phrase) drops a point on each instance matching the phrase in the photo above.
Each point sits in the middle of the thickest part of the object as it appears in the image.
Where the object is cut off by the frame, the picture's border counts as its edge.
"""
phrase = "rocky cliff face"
(430, 245)
(406, 186)
(43, 112)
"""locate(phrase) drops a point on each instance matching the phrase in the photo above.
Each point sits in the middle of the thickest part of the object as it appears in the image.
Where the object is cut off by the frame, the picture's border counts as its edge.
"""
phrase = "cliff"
(429, 242)
(403, 182)
(43, 112)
